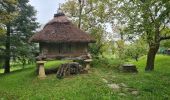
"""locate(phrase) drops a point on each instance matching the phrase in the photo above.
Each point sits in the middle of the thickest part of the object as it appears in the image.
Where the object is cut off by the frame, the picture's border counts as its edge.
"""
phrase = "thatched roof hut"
(60, 30)
(60, 37)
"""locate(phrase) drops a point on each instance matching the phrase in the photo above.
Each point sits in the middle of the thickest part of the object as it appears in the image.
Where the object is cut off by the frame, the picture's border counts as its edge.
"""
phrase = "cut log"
(129, 68)
(69, 69)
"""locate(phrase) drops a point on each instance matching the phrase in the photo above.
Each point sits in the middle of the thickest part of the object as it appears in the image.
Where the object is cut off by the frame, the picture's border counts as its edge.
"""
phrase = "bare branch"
(152, 18)
(90, 10)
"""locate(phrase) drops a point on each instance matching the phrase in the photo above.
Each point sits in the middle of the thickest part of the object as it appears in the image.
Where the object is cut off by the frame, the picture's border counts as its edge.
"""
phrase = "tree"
(24, 26)
(148, 18)
(120, 48)
(8, 12)
(18, 29)
(91, 16)
(136, 49)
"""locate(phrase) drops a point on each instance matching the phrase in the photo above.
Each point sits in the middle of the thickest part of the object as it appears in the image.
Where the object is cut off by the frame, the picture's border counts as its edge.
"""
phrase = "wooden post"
(41, 71)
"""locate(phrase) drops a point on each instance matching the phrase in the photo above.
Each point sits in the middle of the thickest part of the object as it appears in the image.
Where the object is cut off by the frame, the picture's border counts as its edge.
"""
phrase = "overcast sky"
(45, 9)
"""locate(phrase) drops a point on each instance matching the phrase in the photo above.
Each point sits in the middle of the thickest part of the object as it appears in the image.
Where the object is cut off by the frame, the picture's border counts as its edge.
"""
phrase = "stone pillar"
(87, 66)
(87, 62)
(41, 71)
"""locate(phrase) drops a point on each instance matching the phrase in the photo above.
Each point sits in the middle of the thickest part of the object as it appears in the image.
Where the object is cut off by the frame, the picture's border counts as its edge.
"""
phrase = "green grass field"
(24, 85)
(49, 64)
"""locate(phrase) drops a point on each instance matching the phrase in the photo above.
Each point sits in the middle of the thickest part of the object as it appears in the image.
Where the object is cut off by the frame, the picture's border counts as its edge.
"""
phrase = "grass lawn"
(49, 64)
(24, 85)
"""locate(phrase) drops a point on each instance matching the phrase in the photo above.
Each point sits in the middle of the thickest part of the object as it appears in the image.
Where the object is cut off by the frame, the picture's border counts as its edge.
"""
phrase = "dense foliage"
(92, 17)
(146, 18)
(18, 23)
(136, 50)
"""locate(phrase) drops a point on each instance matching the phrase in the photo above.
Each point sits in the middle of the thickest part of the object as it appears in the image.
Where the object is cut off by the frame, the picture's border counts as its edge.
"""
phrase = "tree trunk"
(7, 51)
(151, 57)
(136, 58)
(80, 13)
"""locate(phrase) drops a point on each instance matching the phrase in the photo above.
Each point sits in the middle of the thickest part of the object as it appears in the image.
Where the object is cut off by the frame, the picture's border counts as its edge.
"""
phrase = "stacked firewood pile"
(70, 69)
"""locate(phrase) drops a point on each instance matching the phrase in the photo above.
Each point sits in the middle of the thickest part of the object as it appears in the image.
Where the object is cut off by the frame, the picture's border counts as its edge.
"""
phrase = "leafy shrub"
(106, 63)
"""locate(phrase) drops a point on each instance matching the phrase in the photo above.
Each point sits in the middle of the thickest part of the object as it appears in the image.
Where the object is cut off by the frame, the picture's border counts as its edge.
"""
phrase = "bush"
(106, 63)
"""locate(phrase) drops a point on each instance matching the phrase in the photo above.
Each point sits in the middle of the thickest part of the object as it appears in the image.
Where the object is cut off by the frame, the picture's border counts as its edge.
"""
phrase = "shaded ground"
(99, 84)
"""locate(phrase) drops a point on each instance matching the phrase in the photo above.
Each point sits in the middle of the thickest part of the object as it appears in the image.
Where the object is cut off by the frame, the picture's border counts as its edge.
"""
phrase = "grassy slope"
(151, 85)
(49, 64)
(24, 84)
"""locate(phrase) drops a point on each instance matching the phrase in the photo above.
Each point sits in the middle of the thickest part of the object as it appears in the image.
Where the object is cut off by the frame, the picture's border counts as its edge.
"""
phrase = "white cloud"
(45, 9)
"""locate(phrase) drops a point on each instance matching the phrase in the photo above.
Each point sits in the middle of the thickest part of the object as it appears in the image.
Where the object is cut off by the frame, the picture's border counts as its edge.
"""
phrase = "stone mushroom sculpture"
(87, 61)
(41, 69)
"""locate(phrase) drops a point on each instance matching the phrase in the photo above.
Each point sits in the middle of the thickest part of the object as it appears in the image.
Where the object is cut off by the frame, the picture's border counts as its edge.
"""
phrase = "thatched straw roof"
(59, 30)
